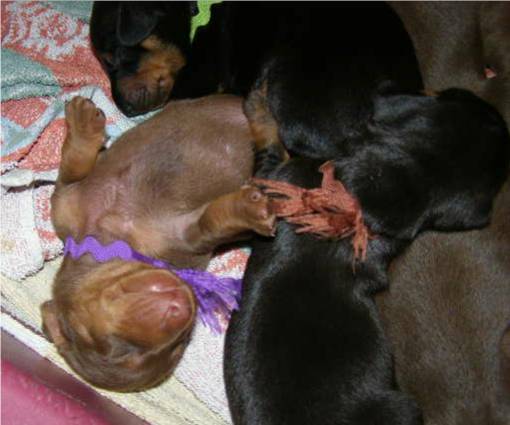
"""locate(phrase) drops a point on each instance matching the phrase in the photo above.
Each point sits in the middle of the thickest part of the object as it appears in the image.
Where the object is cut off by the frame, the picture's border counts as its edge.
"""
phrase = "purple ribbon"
(217, 296)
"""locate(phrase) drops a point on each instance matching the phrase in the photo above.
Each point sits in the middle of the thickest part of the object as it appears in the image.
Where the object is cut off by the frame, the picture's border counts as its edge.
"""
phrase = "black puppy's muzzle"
(138, 98)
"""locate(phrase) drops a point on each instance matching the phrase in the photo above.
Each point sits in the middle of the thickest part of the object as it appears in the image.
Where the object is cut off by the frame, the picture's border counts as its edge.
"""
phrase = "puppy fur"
(447, 312)
(307, 346)
(228, 54)
(172, 187)
(142, 47)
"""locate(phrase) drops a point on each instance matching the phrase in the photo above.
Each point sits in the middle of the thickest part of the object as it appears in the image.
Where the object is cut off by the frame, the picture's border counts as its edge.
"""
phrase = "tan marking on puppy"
(262, 123)
(430, 93)
(161, 56)
(152, 43)
(156, 73)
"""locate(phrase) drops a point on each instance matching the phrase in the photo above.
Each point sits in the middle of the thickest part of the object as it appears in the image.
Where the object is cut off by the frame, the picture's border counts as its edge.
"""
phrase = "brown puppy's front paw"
(85, 121)
(256, 208)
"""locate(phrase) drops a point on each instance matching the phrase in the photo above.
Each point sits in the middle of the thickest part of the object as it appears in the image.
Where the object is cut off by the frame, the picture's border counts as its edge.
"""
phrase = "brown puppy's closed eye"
(172, 189)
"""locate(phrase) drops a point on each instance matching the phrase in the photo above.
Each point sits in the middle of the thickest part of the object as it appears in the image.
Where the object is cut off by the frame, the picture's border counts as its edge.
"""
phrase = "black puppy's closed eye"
(108, 61)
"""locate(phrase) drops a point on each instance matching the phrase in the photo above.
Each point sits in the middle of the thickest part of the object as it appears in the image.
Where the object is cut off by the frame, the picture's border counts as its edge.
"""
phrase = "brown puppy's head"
(142, 46)
(120, 326)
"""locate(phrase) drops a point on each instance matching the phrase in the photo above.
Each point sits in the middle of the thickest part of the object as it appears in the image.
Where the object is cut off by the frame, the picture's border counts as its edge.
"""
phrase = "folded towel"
(46, 61)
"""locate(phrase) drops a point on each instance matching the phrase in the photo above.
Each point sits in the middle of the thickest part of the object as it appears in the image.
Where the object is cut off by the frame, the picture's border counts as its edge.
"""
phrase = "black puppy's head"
(427, 163)
(142, 46)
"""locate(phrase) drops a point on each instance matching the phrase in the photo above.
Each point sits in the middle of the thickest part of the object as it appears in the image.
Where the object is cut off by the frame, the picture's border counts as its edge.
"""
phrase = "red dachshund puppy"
(171, 188)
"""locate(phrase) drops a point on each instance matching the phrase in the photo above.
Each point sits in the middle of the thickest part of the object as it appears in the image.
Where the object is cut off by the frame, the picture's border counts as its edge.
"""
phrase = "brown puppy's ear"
(135, 359)
(51, 326)
(151, 307)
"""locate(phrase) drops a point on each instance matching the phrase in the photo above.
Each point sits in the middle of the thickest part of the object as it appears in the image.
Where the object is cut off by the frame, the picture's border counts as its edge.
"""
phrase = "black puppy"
(132, 42)
(307, 346)
(147, 51)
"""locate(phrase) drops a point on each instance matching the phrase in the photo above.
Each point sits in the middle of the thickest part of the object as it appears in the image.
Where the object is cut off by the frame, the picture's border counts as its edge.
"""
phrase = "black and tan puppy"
(172, 188)
(142, 47)
(307, 346)
(147, 51)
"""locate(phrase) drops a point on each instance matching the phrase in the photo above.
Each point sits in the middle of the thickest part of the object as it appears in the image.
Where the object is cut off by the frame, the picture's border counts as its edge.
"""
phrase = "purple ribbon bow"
(217, 296)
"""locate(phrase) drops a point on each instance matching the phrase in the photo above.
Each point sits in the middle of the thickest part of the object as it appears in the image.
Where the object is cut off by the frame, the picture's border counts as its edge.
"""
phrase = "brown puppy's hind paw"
(85, 121)
(256, 208)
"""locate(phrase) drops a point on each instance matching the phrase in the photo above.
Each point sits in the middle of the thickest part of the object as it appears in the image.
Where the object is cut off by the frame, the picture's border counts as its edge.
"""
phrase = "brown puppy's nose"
(154, 307)
(179, 305)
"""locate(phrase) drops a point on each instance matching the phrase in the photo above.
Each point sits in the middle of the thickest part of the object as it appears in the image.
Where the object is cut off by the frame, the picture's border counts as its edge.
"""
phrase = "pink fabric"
(28, 402)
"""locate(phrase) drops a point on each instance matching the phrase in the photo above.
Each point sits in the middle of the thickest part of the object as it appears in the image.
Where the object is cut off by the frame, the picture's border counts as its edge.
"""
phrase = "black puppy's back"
(326, 62)
(306, 346)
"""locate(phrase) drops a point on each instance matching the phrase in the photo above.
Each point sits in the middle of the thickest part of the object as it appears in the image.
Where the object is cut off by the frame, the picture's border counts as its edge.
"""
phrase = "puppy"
(463, 45)
(447, 312)
(142, 47)
(147, 50)
(171, 189)
(307, 346)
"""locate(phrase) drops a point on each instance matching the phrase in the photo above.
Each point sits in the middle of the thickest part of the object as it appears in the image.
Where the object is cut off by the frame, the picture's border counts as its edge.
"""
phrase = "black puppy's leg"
(262, 122)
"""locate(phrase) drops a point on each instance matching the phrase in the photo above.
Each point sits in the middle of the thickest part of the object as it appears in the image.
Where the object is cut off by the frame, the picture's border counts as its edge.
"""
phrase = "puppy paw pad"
(84, 119)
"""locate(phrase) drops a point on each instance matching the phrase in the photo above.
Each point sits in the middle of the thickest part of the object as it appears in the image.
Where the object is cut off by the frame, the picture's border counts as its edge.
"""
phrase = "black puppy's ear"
(136, 22)
(392, 108)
